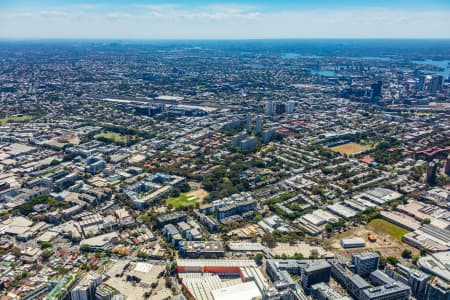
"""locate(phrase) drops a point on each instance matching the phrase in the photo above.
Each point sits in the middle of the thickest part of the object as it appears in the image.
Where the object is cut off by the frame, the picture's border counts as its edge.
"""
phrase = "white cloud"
(222, 21)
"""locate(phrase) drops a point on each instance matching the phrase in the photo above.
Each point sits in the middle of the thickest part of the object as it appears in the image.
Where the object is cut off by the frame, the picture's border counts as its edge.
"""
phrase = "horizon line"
(213, 39)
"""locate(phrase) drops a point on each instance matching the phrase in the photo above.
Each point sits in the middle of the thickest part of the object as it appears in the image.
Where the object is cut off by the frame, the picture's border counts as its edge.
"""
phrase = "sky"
(202, 19)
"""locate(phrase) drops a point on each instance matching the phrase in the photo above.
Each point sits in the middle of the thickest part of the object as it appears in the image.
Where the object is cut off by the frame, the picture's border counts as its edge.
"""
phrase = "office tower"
(365, 263)
(421, 83)
(435, 84)
(377, 89)
(269, 108)
(417, 280)
(104, 292)
(315, 272)
(248, 123)
(438, 290)
(431, 173)
(447, 165)
(85, 289)
(236, 140)
(430, 83)
(267, 135)
(248, 144)
(280, 107)
(290, 107)
(259, 125)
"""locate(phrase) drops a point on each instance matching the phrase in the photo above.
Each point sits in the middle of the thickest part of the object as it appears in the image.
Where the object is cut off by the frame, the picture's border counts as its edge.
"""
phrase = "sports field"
(383, 226)
(111, 136)
(350, 148)
(187, 199)
(20, 119)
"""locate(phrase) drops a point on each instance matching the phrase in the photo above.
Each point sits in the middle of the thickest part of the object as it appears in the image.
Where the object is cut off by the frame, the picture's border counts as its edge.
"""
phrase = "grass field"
(187, 199)
(112, 136)
(350, 148)
(21, 119)
(383, 226)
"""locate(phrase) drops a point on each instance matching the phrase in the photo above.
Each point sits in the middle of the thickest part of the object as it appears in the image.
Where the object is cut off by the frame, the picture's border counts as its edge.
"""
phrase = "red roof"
(367, 159)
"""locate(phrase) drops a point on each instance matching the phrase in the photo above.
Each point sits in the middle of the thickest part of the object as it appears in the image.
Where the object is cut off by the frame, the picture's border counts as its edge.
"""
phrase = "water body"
(327, 73)
(292, 55)
(383, 58)
(438, 63)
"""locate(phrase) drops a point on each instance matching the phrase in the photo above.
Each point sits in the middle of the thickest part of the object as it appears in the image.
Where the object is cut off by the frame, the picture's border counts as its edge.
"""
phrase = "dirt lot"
(300, 248)
(350, 148)
(387, 244)
(199, 194)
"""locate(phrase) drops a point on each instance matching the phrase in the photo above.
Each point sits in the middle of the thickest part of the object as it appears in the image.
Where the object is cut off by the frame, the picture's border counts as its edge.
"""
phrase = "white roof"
(242, 291)
(143, 267)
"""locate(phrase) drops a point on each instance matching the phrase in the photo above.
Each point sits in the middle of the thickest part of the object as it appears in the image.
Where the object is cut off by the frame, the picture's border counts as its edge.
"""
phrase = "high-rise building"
(365, 263)
(259, 125)
(85, 289)
(377, 89)
(447, 165)
(269, 108)
(280, 107)
(438, 290)
(267, 135)
(236, 140)
(416, 279)
(430, 83)
(248, 123)
(431, 173)
(248, 144)
(104, 292)
(290, 107)
(435, 84)
(315, 272)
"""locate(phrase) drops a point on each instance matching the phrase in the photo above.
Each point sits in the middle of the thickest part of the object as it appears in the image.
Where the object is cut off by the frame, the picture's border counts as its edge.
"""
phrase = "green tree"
(406, 253)
(85, 248)
(425, 221)
(258, 258)
(392, 260)
(423, 251)
(45, 245)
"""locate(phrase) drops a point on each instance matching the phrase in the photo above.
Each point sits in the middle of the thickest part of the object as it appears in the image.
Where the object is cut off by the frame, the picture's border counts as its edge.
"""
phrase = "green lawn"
(111, 136)
(182, 201)
(383, 226)
(21, 119)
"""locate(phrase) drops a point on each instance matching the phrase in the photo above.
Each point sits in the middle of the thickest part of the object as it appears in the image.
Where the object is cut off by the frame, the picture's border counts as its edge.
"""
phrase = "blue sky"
(201, 19)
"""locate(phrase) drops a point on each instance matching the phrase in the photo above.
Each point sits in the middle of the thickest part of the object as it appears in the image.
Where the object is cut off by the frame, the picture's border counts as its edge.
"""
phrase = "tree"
(382, 262)
(314, 253)
(174, 192)
(329, 228)
(85, 248)
(258, 258)
(269, 240)
(425, 221)
(185, 187)
(423, 251)
(415, 259)
(45, 245)
(392, 260)
(46, 254)
(406, 253)
(142, 255)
